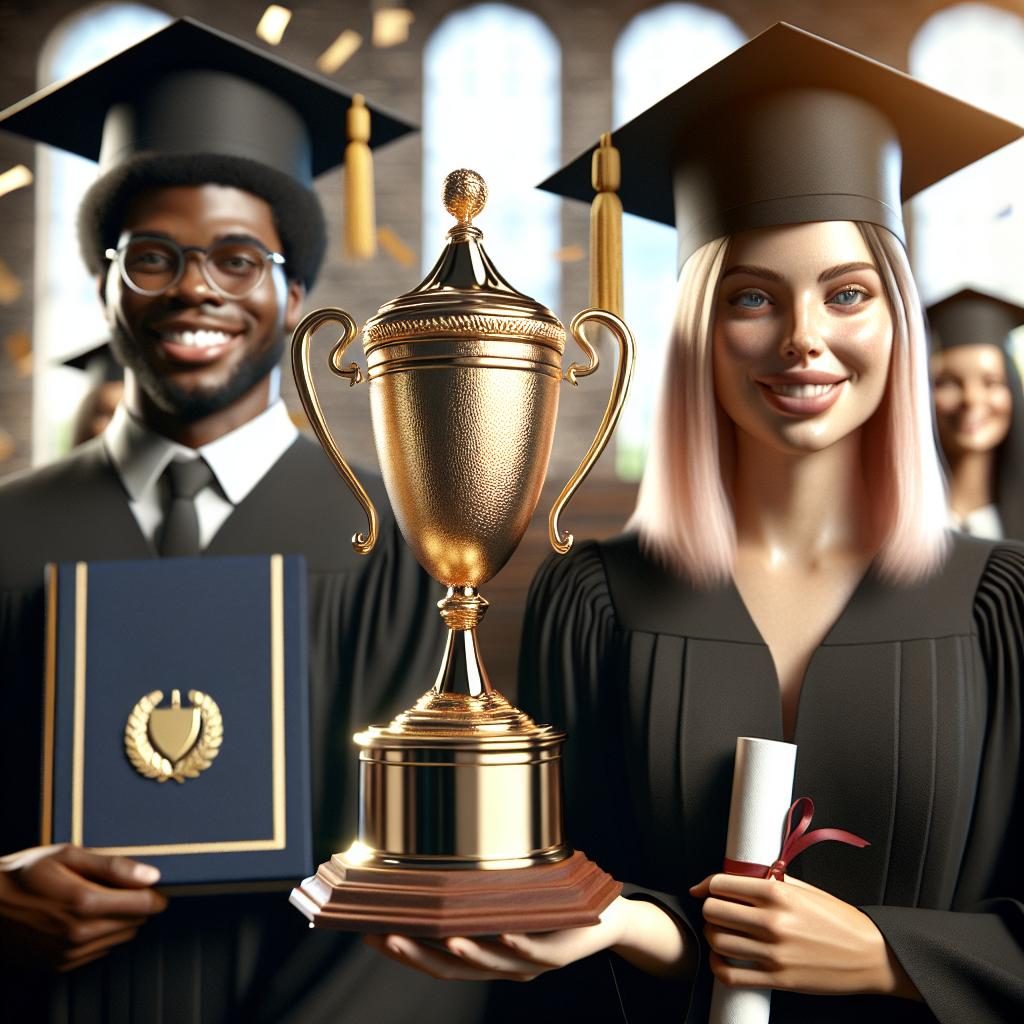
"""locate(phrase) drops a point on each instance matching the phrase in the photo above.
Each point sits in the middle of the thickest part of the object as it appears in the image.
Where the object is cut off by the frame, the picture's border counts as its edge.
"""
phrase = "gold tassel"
(606, 229)
(360, 220)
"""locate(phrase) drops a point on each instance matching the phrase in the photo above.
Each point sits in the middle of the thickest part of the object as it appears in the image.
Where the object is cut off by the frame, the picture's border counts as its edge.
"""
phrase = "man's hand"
(62, 906)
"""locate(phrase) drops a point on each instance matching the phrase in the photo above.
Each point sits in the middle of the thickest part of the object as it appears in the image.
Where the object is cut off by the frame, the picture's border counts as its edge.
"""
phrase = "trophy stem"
(462, 610)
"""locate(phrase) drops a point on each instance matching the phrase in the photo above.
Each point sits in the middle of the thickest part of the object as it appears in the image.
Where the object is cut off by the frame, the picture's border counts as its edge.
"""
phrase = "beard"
(190, 404)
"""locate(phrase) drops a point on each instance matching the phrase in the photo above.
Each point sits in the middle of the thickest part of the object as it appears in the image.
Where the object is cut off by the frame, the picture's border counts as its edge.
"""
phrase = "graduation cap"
(970, 317)
(789, 128)
(97, 362)
(189, 104)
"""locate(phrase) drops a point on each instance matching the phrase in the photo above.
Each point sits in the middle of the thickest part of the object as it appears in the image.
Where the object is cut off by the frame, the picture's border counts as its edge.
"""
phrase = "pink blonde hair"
(684, 513)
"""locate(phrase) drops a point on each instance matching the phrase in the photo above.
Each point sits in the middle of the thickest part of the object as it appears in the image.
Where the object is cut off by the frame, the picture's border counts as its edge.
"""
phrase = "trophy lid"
(457, 720)
(464, 295)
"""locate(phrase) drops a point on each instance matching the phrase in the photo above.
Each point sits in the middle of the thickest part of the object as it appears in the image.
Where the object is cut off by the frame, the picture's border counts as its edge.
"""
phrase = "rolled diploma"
(762, 792)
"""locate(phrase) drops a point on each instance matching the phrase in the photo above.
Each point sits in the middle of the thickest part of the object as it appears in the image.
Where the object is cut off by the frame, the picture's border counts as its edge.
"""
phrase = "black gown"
(375, 644)
(909, 734)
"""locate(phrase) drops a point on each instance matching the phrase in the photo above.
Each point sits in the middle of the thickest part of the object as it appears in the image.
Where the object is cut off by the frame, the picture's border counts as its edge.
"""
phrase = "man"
(204, 234)
(105, 377)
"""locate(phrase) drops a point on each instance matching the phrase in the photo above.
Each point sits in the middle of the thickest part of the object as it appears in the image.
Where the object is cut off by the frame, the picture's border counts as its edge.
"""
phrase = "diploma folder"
(176, 718)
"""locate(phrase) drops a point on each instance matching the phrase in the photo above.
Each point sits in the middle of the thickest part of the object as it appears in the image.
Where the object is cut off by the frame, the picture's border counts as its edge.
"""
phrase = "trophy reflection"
(460, 797)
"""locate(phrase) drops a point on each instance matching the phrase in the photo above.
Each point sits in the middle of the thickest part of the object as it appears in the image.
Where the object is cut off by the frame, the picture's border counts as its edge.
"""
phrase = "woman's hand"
(62, 906)
(791, 935)
(639, 931)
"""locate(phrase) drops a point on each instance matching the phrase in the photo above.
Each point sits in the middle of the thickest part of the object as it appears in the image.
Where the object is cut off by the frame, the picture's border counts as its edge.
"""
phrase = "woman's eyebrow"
(844, 268)
(752, 271)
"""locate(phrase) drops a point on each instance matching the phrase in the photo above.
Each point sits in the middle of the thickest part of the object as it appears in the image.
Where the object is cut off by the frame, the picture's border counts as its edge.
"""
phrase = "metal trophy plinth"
(460, 797)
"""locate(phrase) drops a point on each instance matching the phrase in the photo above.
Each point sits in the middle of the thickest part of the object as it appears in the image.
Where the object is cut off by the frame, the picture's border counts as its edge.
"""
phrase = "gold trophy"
(460, 797)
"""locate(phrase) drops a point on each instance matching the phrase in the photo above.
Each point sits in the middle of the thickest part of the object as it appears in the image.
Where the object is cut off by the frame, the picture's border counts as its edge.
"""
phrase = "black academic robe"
(909, 734)
(375, 644)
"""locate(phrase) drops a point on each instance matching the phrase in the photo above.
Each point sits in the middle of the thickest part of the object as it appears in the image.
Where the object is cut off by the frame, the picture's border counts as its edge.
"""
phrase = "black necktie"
(180, 534)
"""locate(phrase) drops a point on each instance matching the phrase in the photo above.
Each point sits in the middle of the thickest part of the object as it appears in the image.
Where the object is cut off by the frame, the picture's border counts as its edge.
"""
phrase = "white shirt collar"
(981, 522)
(239, 460)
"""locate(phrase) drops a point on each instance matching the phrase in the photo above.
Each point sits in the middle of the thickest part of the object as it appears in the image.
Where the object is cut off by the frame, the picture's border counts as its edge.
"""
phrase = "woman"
(789, 576)
(979, 411)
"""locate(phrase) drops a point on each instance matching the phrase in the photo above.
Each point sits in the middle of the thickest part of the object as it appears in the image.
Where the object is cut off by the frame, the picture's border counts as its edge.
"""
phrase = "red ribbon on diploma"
(795, 841)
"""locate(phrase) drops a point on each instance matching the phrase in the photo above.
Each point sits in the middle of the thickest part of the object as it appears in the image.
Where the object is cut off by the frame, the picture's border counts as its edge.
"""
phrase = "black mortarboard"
(971, 317)
(98, 362)
(789, 128)
(190, 104)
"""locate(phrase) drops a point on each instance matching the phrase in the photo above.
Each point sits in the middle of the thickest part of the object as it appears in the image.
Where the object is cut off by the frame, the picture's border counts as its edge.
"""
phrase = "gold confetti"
(339, 51)
(18, 346)
(273, 23)
(16, 177)
(570, 254)
(11, 288)
(395, 247)
(391, 26)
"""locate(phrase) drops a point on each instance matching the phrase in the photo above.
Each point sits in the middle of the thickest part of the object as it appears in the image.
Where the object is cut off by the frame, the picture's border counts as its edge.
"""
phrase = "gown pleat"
(908, 731)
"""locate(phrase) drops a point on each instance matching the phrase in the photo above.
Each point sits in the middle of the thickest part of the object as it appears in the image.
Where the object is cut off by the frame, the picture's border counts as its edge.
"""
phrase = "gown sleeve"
(572, 660)
(968, 962)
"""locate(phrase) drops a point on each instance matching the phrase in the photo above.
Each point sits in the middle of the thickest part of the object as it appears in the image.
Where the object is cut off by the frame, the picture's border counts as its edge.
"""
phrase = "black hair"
(298, 216)
(1009, 475)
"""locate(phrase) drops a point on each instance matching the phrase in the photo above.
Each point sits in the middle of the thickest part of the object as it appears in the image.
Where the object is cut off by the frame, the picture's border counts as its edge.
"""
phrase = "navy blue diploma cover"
(215, 791)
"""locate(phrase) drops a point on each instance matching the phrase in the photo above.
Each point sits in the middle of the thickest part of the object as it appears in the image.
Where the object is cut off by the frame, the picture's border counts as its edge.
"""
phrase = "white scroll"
(762, 793)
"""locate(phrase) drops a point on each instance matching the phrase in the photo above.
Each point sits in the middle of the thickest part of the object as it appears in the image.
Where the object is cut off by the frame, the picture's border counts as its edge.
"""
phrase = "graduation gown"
(375, 644)
(909, 734)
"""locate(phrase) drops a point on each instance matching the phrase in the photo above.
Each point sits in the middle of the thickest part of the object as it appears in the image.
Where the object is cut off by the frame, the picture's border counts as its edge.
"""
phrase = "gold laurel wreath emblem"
(148, 761)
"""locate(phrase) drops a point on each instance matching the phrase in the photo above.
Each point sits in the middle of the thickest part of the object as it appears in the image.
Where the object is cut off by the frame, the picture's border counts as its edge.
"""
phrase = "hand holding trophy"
(460, 829)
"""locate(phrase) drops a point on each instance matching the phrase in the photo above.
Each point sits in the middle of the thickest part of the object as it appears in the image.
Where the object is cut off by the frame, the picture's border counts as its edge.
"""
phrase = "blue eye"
(849, 297)
(750, 300)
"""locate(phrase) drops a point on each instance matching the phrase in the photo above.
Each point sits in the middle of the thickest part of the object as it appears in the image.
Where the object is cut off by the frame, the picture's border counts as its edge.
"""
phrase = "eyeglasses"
(150, 265)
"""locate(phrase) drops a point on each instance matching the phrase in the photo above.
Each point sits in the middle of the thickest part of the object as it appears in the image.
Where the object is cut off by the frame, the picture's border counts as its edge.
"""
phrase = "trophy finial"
(465, 194)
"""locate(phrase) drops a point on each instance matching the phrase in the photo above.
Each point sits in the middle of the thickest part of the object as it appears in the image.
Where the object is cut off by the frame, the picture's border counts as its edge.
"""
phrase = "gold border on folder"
(49, 703)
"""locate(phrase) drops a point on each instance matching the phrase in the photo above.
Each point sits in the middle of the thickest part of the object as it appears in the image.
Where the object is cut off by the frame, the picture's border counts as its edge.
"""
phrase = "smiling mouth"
(801, 390)
(973, 426)
(196, 339)
(198, 346)
(801, 399)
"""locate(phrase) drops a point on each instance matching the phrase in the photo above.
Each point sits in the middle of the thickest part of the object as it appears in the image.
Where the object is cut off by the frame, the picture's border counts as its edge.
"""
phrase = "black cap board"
(189, 105)
(789, 128)
(971, 317)
(97, 361)
(188, 88)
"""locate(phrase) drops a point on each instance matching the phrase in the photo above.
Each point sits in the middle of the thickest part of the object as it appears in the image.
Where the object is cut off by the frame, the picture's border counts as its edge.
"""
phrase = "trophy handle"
(312, 322)
(623, 372)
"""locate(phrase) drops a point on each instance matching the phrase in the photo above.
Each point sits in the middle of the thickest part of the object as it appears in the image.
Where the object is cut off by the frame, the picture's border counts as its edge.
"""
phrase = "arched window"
(968, 229)
(658, 51)
(67, 314)
(491, 102)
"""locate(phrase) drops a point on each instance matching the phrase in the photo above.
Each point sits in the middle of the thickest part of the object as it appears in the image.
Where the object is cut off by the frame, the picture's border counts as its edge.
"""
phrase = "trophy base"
(435, 903)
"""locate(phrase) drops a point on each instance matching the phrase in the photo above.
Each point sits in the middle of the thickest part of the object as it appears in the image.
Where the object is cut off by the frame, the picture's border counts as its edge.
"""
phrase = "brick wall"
(587, 32)
(392, 77)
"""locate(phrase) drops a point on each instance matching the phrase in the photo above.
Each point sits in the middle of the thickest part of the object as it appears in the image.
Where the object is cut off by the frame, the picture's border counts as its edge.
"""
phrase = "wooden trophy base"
(439, 903)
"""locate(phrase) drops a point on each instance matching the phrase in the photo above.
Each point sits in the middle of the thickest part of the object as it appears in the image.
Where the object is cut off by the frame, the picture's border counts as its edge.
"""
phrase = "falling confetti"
(11, 288)
(395, 247)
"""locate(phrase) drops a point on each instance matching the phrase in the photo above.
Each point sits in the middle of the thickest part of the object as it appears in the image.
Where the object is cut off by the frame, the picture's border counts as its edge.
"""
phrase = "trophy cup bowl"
(460, 809)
